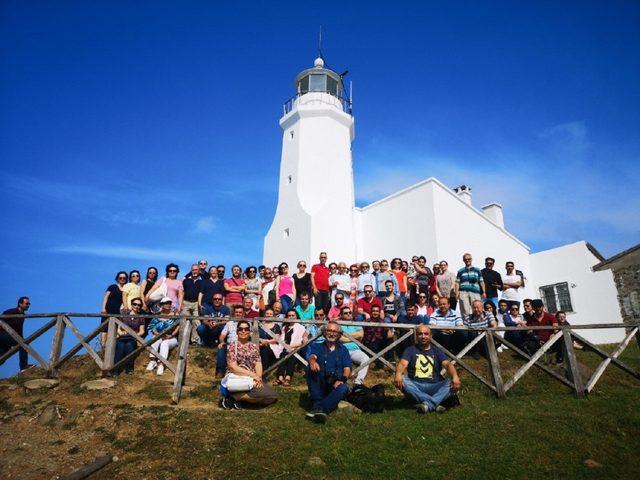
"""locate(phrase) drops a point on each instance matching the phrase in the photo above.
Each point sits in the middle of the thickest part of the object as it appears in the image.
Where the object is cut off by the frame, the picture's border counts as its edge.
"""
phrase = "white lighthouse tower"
(315, 199)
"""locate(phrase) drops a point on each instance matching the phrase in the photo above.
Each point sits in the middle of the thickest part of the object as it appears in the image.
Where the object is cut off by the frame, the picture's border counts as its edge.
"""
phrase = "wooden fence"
(496, 382)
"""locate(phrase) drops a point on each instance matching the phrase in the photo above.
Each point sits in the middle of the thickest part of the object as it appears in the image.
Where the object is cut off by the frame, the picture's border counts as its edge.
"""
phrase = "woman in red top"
(401, 277)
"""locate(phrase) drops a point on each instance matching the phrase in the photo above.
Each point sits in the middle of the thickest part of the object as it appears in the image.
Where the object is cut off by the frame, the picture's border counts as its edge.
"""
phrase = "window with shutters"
(556, 297)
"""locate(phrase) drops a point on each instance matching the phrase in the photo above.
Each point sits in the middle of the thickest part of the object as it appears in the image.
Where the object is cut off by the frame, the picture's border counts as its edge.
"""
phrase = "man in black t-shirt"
(492, 281)
(6, 341)
(424, 384)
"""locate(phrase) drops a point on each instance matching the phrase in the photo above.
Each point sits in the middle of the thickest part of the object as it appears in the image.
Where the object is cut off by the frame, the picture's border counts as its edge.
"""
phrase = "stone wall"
(628, 284)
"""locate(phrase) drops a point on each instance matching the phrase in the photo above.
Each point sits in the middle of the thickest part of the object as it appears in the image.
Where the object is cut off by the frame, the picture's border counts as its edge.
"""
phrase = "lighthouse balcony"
(317, 98)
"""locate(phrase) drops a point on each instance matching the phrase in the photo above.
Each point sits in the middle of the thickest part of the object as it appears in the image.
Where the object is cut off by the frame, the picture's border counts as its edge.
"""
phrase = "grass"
(541, 430)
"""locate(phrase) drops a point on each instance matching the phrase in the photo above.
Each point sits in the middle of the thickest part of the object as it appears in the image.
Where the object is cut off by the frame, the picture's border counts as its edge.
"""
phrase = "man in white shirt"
(511, 283)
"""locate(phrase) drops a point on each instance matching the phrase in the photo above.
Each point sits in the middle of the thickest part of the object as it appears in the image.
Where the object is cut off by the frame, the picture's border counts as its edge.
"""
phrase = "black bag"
(369, 400)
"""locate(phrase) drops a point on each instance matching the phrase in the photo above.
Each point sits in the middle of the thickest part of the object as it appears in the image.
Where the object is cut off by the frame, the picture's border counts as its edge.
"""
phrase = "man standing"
(327, 374)
(492, 281)
(469, 285)
(510, 286)
(424, 384)
(210, 329)
(383, 276)
(192, 286)
(6, 342)
(211, 286)
(320, 282)
(445, 283)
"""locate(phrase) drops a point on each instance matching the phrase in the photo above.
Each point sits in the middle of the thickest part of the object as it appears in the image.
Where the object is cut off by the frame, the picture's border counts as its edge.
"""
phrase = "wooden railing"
(60, 322)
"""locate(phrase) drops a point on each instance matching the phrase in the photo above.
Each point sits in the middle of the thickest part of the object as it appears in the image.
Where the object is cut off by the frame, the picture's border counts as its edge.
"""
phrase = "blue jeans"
(209, 336)
(323, 396)
(430, 394)
(124, 346)
(221, 360)
(287, 303)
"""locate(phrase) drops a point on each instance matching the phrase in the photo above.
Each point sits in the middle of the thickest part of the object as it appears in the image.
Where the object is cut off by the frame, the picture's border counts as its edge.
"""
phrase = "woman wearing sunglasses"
(243, 360)
(252, 285)
(175, 290)
(125, 343)
(112, 301)
(131, 290)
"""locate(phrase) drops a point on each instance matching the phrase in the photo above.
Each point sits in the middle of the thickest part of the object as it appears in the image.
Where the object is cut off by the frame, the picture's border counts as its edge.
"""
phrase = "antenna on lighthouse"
(320, 43)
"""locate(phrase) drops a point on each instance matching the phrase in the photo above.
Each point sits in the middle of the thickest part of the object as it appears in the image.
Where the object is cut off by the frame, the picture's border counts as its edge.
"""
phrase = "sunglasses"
(136, 304)
(244, 329)
(422, 296)
(219, 299)
(347, 313)
(368, 291)
(319, 315)
(172, 270)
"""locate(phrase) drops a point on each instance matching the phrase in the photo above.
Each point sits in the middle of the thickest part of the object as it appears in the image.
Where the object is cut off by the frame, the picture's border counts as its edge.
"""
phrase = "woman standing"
(302, 280)
(252, 285)
(354, 275)
(147, 284)
(131, 290)
(401, 277)
(293, 335)
(112, 300)
(175, 291)
(286, 288)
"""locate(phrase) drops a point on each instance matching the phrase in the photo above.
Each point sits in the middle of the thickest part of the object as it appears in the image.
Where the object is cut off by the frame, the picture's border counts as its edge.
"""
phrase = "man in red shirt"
(249, 311)
(364, 304)
(541, 318)
(320, 282)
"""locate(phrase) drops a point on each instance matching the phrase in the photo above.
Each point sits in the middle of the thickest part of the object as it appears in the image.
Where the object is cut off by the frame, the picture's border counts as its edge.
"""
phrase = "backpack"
(369, 400)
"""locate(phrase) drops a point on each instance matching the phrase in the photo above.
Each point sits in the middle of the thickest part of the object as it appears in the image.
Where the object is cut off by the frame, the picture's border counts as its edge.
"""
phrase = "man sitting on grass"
(424, 384)
(327, 374)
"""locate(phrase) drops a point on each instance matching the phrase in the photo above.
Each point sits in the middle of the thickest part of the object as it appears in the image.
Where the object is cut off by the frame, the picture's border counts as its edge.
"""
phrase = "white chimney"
(493, 212)
(464, 192)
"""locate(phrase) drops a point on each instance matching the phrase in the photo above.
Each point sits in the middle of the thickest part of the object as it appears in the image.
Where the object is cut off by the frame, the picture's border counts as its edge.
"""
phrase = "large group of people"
(396, 292)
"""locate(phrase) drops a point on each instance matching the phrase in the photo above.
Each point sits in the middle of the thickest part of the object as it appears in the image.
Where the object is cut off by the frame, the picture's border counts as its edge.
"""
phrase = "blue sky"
(136, 133)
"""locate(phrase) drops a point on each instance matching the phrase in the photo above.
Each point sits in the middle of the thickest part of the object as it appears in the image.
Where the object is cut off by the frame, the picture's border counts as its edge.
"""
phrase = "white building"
(316, 212)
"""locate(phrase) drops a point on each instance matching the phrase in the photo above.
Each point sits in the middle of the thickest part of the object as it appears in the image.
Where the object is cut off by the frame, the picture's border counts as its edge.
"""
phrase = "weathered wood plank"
(382, 352)
(110, 346)
(464, 365)
(181, 366)
(20, 341)
(370, 352)
(92, 353)
(27, 340)
(494, 365)
(56, 344)
(616, 361)
(285, 346)
(144, 345)
(615, 354)
(90, 469)
(76, 348)
(532, 360)
(286, 357)
(571, 363)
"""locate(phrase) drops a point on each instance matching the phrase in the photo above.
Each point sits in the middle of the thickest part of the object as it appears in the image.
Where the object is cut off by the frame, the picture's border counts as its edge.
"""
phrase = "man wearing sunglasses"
(327, 374)
(16, 323)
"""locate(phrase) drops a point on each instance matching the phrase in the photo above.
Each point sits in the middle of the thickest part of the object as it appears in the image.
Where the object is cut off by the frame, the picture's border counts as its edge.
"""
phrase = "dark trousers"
(323, 396)
(6, 342)
(286, 368)
(209, 336)
(221, 360)
(267, 357)
(124, 346)
(479, 347)
(453, 301)
(451, 341)
(323, 300)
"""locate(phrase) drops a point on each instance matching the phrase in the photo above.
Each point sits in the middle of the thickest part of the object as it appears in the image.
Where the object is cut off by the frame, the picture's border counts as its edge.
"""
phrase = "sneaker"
(160, 369)
(422, 408)
(151, 365)
(316, 416)
(28, 367)
(226, 403)
(235, 404)
(440, 409)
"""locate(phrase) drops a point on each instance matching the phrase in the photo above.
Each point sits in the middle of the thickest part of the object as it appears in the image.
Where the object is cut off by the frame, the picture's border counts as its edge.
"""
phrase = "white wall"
(401, 225)
(593, 294)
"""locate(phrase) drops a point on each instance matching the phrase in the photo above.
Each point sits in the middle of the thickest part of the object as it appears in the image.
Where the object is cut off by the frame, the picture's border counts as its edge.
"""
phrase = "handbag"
(237, 383)
(160, 292)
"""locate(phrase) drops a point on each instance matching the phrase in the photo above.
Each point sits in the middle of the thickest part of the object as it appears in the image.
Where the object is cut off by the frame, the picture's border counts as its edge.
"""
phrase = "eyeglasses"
(202, 263)
(319, 315)
(514, 309)
(422, 296)
(347, 313)
(466, 258)
(173, 270)
(136, 304)
(332, 331)
(252, 271)
(301, 265)
(219, 299)
(364, 267)
(243, 329)
(339, 299)
(122, 278)
(368, 291)
(135, 274)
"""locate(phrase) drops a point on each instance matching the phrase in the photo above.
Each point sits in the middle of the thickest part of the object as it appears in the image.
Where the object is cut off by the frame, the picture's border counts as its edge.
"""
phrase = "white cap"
(166, 300)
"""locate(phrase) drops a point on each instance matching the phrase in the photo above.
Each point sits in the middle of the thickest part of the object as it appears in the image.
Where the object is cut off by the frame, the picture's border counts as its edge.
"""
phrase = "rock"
(37, 383)
(15, 413)
(347, 408)
(316, 462)
(100, 384)
(49, 415)
(589, 463)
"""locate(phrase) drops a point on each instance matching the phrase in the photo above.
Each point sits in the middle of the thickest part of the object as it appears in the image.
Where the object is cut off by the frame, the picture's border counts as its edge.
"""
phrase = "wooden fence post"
(571, 363)
(181, 367)
(494, 365)
(110, 347)
(56, 345)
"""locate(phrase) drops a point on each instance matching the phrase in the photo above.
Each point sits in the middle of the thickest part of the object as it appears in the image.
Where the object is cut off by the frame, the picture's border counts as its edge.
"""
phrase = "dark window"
(556, 297)
(303, 85)
(332, 86)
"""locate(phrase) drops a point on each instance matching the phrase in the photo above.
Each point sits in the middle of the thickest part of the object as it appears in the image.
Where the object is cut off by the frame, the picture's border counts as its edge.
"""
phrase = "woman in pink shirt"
(286, 288)
(175, 291)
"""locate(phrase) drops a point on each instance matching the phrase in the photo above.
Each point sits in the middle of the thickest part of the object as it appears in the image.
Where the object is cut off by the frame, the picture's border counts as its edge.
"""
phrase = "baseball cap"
(165, 300)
